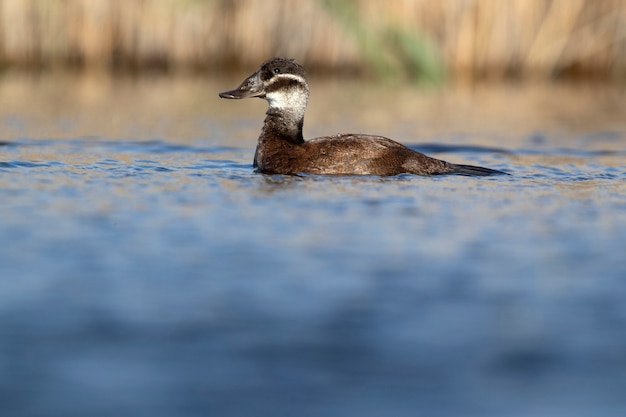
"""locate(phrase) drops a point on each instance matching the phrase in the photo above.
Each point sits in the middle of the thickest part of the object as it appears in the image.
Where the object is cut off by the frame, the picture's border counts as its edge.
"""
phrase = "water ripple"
(445, 148)
(26, 164)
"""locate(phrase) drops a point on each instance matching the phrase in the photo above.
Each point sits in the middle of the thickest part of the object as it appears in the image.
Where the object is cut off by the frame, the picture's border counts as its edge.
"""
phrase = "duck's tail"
(474, 171)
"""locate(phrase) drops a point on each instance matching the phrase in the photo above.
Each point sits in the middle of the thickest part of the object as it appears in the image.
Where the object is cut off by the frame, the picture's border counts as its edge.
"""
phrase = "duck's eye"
(276, 70)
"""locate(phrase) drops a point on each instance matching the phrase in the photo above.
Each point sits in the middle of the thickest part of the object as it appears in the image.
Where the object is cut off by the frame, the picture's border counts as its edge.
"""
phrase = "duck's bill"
(229, 94)
(251, 87)
(238, 93)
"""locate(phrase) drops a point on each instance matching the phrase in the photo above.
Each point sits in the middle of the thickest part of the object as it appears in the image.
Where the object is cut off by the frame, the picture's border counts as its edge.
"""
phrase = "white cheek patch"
(288, 99)
(295, 77)
(293, 98)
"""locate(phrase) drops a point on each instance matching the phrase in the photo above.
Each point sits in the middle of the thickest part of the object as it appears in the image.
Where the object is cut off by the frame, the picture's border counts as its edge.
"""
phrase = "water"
(147, 270)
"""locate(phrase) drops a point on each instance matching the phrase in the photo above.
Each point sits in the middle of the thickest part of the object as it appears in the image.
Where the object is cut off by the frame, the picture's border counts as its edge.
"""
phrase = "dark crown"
(276, 66)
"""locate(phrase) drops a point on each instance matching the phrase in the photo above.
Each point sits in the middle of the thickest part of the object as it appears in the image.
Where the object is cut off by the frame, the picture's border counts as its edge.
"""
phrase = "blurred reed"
(415, 39)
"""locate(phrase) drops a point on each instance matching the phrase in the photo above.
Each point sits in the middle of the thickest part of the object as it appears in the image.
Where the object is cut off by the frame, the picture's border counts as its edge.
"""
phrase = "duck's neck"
(284, 125)
(285, 115)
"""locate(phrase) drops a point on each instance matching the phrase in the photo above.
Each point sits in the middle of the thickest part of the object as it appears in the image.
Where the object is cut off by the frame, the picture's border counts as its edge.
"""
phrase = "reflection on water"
(147, 270)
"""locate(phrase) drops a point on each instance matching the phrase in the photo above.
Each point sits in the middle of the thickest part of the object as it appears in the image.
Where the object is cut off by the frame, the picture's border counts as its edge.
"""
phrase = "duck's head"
(282, 82)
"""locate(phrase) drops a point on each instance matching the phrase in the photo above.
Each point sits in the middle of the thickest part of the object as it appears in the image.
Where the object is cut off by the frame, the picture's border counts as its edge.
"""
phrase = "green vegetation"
(391, 52)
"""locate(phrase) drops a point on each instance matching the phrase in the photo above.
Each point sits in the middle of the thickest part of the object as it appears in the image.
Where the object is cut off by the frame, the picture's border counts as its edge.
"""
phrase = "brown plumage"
(282, 149)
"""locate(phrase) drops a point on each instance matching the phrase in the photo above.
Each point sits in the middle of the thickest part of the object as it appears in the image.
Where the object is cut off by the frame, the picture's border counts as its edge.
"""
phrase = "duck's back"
(356, 154)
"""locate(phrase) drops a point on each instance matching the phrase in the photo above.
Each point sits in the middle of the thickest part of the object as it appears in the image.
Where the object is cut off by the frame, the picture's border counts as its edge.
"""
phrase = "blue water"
(160, 278)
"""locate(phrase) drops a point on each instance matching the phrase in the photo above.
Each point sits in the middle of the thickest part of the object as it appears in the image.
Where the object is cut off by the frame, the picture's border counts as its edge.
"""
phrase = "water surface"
(146, 269)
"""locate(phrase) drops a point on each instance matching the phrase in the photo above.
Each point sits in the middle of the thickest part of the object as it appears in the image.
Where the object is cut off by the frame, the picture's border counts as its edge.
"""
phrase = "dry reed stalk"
(475, 38)
(553, 35)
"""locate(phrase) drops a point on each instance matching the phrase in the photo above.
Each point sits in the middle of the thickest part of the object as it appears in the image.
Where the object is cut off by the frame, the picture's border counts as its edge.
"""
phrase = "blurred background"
(412, 39)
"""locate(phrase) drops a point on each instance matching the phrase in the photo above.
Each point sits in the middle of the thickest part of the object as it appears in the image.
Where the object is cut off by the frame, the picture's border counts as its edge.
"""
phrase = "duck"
(282, 149)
